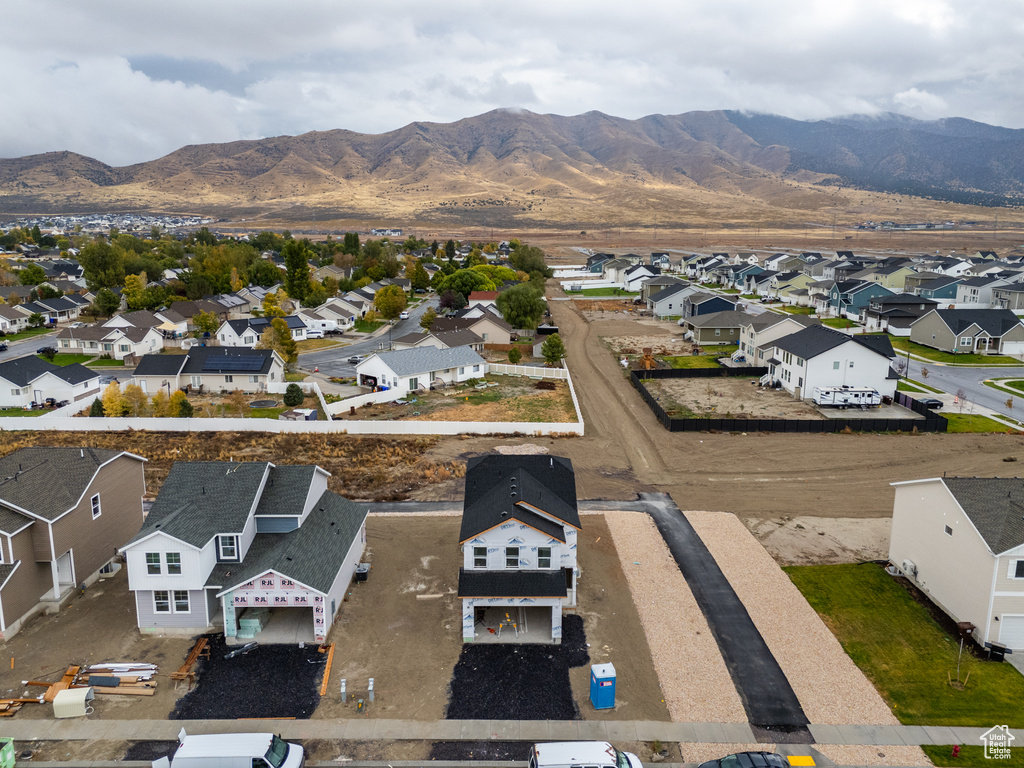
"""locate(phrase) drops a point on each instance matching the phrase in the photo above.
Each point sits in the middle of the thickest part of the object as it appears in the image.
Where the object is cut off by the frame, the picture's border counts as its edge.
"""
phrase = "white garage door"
(1011, 632)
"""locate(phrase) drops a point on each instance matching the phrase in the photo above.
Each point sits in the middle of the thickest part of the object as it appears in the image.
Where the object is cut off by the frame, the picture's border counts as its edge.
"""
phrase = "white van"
(233, 750)
(581, 754)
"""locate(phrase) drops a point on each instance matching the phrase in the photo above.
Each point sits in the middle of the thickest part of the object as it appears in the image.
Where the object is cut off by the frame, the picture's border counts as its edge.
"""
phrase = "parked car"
(232, 750)
(46, 350)
(930, 402)
(404, 315)
(3, 346)
(356, 359)
(581, 754)
(748, 760)
(314, 333)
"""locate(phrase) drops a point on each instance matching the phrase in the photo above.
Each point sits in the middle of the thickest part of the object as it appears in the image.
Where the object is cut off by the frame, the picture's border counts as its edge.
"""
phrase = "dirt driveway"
(727, 397)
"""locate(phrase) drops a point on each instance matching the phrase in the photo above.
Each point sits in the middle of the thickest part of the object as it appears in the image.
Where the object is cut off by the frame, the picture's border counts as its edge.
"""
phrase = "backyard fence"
(932, 421)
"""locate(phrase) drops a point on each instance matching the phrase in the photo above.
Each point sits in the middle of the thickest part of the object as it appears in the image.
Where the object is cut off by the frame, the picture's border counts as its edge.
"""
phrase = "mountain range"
(516, 168)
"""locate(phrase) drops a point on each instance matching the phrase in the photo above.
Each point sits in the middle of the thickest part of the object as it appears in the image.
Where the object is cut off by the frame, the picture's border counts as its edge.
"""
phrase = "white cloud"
(125, 81)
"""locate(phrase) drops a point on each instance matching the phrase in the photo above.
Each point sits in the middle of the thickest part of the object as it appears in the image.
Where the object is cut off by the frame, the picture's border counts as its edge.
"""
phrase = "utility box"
(602, 686)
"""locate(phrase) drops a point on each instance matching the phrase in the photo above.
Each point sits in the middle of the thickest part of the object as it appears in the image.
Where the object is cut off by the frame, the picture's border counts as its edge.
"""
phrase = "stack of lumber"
(138, 670)
(185, 671)
(9, 706)
(251, 622)
(126, 679)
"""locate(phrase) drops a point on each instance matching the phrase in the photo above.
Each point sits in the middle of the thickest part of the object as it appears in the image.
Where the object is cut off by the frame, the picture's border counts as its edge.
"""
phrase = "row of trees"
(114, 403)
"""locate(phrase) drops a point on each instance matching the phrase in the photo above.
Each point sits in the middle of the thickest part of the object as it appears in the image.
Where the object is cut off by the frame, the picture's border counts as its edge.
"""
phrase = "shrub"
(514, 355)
(294, 395)
(96, 409)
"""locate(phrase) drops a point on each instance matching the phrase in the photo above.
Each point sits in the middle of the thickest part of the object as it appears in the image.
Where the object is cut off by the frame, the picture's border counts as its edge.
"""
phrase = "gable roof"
(47, 482)
(200, 499)
(728, 318)
(816, 339)
(160, 365)
(672, 290)
(483, 296)
(310, 555)
(499, 488)
(407, 362)
(995, 506)
(22, 371)
(995, 322)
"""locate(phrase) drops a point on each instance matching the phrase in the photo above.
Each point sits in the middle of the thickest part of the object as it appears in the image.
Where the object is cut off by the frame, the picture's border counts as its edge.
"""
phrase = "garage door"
(1011, 632)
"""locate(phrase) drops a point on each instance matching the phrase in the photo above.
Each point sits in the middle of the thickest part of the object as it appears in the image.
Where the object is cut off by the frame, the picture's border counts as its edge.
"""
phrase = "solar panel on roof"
(233, 363)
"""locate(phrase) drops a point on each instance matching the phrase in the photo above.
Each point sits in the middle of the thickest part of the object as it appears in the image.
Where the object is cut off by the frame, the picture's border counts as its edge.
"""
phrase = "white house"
(13, 319)
(961, 541)
(211, 369)
(27, 380)
(119, 343)
(167, 321)
(408, 370)
(518, 538)
(244, 540)
(819, 356)
(246, 332)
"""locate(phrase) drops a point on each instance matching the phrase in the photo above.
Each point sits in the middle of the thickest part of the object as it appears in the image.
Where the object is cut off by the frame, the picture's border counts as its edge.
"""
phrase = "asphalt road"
(332, 362)
(951, 379)
(27, 346)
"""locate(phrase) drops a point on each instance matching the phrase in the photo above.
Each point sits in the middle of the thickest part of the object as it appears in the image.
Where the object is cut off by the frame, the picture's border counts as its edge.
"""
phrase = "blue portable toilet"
(602, 686)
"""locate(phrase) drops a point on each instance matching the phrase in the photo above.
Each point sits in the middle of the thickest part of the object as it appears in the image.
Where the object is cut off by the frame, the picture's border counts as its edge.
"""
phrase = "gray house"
(227, 540)
(970, 331)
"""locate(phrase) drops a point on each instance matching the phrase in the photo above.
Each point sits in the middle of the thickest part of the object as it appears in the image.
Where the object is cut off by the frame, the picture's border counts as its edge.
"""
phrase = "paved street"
(27, 346)
(332, 362)
(950, 379)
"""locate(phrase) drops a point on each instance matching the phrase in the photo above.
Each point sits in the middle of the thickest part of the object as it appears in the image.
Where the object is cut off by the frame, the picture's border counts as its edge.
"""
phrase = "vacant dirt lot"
(727, 397)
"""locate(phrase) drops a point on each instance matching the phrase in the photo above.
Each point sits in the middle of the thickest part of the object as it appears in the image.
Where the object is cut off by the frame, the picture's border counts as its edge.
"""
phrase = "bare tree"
(961, 398)
(924, 372)
(900, 366)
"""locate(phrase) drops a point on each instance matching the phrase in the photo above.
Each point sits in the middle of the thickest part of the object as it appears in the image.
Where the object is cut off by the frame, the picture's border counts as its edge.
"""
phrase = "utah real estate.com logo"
(997, 742)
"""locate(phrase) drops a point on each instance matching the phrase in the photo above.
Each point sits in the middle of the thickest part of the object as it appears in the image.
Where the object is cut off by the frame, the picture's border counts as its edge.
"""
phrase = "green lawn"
(295, 376)
(971, 754)
(20, 412)
(268, 413)
(906, 386)
(838, 322)
(691, 361)
(905, 654)
(69, 358)
(604, 292)
(367, 326)
(789, 308)
(937, 356)
(972, 422)
(106, 362)
(1008, 386)
(27, 334)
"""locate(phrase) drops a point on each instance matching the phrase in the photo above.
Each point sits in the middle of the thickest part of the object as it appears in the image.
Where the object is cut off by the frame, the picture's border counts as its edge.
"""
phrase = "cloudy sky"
(127, 80)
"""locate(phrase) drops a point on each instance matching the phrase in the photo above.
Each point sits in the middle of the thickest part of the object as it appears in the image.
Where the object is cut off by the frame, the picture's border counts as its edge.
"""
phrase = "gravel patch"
(268, 681)
(150, 750)
(699, 752)
(830, 687)
(481, 750)
(844, 754)
(695, 682)
(518, 682)
(527, 449)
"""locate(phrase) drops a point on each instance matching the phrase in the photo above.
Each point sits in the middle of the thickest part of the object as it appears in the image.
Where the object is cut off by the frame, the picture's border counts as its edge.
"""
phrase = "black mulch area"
(481, 750)
(269, 681)
(777, 735)
(518, 682)
(150, 750)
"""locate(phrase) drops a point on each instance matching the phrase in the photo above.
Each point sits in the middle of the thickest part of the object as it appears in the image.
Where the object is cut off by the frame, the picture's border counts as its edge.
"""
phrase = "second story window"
(228, 546)
(479, 557)
(511, 557)
(173, 563)
(543, 557)
(153, 563)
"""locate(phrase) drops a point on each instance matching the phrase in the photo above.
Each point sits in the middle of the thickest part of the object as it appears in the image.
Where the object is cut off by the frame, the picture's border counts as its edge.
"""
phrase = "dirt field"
(409, 644)
(732, 397)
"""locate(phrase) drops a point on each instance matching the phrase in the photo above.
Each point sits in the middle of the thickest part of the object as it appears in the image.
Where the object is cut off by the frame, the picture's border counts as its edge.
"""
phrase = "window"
(173, 563)
(949, 531)
(108, 347)
(462, 371)
(479, 557)
(254, 379)
(197, 381)
(851, 363)
(248, 339)
(511, 557)
(835, 366)
(181, 601)
(476, 369)
(153, 563)
(543, 557)
(718, 331)
(966, 341)
(125, 348)
(228, 547)
(1018, 570)
(95, 503)
(161, 601)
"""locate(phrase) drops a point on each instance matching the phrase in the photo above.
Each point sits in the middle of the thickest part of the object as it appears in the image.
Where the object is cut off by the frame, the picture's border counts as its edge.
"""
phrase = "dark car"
(748, 760)
(3, 346)
(930, 402)
(46, 350)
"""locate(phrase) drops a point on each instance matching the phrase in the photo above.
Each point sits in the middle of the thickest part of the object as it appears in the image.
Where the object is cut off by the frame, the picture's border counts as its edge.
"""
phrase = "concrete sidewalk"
(485, 730)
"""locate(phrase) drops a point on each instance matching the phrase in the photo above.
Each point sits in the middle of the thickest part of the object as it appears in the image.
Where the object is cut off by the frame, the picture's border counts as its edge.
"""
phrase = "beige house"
(63, 514)
(961, 541)
(757, 332)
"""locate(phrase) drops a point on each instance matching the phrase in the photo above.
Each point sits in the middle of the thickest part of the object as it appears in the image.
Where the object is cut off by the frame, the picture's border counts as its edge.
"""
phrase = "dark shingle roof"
(6, 569)
(994, 322)
(996, 507)
(511, 583)
(160, 365)
(311, 554)
(49, 481)
(24, 370)
(286, 490)
(815, 339)
(200, 499)
(547, 483)
(11, 521)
